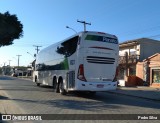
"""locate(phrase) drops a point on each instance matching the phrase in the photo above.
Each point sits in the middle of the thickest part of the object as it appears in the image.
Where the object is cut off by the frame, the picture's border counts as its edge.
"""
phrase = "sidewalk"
(140, 92)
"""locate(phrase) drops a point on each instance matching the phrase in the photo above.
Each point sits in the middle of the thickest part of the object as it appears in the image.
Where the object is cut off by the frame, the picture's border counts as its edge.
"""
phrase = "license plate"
(100, 86)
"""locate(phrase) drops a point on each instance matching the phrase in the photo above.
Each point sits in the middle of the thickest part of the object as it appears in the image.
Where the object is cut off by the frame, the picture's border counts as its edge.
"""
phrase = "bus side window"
(40, 67)
(68, 47)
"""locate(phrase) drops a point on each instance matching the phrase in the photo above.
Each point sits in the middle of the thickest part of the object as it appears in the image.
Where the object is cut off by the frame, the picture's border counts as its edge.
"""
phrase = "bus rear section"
(98, 54)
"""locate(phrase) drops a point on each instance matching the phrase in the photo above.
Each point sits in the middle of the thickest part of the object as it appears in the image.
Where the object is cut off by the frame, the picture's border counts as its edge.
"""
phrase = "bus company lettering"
(110, 40)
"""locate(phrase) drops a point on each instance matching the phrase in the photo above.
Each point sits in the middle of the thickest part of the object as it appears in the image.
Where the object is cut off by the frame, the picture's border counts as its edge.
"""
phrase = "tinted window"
(54, 57)
(40, 67)
(68, 47)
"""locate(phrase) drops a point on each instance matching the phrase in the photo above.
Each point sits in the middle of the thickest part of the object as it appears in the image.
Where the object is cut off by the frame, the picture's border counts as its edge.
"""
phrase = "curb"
(134, 96)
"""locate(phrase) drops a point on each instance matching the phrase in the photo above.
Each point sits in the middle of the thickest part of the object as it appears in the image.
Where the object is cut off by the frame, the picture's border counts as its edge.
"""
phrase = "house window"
(121, 73)
(132, 52)
(156, 75)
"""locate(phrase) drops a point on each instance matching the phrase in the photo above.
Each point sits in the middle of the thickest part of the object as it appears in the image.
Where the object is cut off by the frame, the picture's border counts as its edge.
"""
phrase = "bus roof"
(80, 33)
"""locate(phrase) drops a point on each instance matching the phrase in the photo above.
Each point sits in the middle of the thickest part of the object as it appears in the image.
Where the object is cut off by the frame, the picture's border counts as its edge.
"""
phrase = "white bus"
(86, 61)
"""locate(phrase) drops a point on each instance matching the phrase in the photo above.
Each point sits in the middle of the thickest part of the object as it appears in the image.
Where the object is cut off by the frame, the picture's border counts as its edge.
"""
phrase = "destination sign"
(101, 38)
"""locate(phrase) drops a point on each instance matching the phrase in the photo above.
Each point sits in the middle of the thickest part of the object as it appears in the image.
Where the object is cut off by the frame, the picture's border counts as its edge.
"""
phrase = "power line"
(154, 36)
(151, 29)
(141, 31)
(28, 45)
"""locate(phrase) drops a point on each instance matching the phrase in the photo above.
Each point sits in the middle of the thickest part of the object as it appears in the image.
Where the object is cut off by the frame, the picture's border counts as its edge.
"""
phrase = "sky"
(44, 22)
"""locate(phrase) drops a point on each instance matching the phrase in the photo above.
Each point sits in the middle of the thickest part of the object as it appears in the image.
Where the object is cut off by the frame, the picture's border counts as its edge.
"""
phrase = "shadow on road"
(100, 102)
(3, 97)
(74, 104)
(25, 87)
(6, 78)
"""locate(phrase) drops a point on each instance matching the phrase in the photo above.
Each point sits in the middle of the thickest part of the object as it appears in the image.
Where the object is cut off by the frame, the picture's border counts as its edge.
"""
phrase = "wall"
(131, 50)
(139, 70)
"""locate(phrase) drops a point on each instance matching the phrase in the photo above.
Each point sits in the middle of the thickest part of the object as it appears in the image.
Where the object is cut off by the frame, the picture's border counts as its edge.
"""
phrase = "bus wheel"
(54, 84)
(61, 88)
(38, 84)
(57, 88)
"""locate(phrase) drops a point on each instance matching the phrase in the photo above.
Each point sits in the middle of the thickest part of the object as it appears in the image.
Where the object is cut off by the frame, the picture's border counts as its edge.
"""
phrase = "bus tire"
(61, 88)
(54, 84)
(57, 88)
(35, 80)
(38, 84)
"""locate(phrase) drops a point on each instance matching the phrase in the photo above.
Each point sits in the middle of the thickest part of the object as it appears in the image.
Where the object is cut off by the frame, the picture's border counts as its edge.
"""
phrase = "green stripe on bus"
(65, 63)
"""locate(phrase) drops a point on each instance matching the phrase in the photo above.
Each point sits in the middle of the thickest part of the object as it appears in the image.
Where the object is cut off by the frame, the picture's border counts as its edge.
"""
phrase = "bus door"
(70, 47)
(71, 72)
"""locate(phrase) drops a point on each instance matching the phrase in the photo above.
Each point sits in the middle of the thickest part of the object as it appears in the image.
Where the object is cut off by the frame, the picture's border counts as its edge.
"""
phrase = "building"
(152, 72)
(131, 54)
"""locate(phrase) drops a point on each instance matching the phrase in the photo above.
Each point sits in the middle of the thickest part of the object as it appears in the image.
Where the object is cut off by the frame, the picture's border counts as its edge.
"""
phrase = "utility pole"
(9, 62)
(84, 23)
(18, 59)
(4, 69)
(37, 48)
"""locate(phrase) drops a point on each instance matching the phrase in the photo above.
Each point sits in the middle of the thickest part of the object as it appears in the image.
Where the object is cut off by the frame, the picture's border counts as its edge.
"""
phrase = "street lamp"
(31, 55)
(71, 29)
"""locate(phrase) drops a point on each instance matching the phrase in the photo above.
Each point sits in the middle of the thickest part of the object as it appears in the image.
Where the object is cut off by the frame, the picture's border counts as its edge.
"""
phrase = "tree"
(10, 29)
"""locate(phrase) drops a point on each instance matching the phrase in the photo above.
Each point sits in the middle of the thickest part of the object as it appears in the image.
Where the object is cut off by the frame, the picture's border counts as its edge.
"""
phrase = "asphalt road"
(30, 99)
